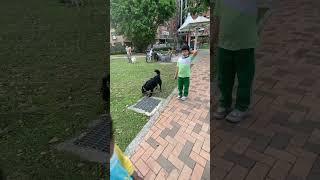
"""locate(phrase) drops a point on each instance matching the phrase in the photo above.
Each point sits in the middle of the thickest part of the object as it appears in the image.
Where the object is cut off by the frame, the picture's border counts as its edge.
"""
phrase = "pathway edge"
(136, 141)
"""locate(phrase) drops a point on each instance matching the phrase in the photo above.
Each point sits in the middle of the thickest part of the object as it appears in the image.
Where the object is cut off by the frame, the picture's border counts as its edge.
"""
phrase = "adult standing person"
(129, 53)
(237, 40)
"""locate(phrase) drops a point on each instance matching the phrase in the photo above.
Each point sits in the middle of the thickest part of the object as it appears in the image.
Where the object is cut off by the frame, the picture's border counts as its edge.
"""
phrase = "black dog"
(151, 84)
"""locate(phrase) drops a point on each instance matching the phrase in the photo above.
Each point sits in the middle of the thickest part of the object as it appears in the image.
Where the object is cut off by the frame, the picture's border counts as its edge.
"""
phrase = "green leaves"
(196, 7)
(138, 20)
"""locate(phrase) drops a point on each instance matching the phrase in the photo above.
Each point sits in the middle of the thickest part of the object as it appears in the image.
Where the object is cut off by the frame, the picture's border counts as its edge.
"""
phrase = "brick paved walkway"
(178, 144)
(281, 138)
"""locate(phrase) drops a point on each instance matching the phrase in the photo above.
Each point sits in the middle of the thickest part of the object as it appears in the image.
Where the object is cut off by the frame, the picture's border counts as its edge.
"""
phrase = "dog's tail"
(157, 71)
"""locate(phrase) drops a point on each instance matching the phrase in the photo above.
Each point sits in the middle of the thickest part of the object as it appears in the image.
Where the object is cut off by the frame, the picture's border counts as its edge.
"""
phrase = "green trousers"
(240, 63)
(183, 86)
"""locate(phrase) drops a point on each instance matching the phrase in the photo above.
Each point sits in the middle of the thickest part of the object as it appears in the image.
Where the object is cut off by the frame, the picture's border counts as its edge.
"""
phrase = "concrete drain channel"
(147, 105)
(92, 145)
(96, 138)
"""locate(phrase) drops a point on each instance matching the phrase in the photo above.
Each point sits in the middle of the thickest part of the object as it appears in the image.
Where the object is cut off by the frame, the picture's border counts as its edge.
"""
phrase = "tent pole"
(189, 39)
(195, 39)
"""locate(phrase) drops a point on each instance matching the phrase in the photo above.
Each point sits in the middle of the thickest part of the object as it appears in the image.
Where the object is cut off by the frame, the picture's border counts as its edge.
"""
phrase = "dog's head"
(157, 71)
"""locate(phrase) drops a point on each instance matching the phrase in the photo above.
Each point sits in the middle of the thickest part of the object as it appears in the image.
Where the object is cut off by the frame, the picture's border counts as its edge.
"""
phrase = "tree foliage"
(196, 7)
(138, 20)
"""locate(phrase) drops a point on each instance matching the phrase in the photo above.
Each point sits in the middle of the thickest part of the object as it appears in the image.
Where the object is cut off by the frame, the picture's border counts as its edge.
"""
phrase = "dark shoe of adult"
(221, 112)
(236, 116)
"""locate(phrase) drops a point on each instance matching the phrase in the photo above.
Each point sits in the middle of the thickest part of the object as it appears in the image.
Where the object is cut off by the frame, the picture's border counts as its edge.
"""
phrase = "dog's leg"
(151, 93)
(160, 83)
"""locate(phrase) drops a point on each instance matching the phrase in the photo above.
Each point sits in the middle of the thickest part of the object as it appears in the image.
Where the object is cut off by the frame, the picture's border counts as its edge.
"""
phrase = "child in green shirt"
(183, 72)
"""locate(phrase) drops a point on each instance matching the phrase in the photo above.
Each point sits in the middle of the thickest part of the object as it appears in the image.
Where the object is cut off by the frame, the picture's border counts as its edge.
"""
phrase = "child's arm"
(193, 56)
(176, 73)
(261, 18)
(194, 53)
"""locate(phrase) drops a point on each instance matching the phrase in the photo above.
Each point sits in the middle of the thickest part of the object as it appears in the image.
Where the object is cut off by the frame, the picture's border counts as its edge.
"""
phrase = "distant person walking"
(150, 54)
(129, 53)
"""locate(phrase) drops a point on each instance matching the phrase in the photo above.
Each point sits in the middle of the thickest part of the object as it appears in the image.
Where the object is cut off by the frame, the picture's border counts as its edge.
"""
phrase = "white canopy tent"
(186, 25)
(194, 25)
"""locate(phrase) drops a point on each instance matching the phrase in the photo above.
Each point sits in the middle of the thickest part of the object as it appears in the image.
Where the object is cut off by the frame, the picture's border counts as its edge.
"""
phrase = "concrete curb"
(136, 141)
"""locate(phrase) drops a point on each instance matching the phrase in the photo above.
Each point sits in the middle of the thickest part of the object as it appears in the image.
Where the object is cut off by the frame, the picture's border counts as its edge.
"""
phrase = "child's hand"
(195, 52)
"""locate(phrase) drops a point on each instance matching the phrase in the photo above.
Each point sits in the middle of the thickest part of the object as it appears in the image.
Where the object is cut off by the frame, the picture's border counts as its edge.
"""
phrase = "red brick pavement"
(281, 138)
(178, 144)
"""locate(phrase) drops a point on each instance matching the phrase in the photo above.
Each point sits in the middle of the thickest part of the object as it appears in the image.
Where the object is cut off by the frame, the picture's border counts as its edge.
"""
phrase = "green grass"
(51, 64)
(125, 55)
(205, 46)
(126, 82)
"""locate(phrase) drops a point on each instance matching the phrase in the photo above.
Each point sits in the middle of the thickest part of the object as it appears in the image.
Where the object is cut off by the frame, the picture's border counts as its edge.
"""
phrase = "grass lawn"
(119, 55)
(125, 55)
(52, 60)
(126, 82)
(205, 46)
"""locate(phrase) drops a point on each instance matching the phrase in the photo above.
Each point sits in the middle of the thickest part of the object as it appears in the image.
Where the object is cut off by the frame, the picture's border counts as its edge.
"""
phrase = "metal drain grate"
(97, 138)
(147, 104)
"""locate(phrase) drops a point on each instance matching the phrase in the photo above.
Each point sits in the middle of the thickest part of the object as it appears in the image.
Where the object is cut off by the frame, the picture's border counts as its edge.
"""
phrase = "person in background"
(150, 54)
(129, 53)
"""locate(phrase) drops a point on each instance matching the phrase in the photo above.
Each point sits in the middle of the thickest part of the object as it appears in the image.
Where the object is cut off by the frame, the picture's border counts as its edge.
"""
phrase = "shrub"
(163, 49)
(118, 48)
